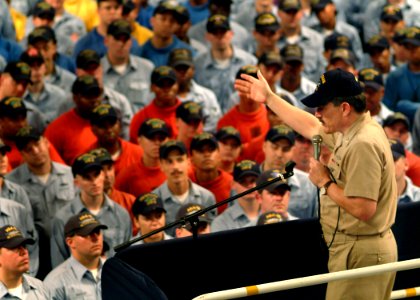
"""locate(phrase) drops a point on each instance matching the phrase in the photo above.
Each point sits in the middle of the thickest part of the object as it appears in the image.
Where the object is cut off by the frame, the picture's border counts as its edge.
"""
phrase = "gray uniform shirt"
(111, 214)
(134, 83)
(61, 78)
(196, 194)
(13, 191)
(32, 287)
(72, 280)
(233, 217)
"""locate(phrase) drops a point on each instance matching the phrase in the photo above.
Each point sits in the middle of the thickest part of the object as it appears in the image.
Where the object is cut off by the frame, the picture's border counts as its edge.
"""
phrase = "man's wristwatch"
(324, 188)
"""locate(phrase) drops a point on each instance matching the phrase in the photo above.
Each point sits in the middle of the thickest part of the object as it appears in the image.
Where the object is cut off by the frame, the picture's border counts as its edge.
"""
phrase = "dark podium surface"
(185, 268)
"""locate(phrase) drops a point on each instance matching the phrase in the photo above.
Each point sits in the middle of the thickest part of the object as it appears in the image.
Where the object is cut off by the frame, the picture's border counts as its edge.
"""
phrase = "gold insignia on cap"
(342, 41)
(391, 10)
(149, 199)
(322, 79)
(230, 130)
(266, 19)
(24, 68)
(374, 39)
(24, 131)
(44, 6)
(14, 102)
(192, 209)
(102, 109)
(246, 164)
(203, 136)
(155, 123)
(369, 74)
(87, 158)
(217, 19)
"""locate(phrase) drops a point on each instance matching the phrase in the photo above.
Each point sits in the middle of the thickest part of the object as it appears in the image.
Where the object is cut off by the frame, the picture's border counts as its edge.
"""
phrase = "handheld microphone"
(317, 141)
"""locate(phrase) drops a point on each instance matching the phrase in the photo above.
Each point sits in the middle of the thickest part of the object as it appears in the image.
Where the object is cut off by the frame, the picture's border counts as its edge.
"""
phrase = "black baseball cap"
(292, 52)
(12, 107)
(336, 40)
(289, 5)
(42, 33)
(269, 217)
(180, 57)
(217, 22)
(250, 70)
(88, 59)
(266, 21)
(412, 36)
(32, 57)
(281, 132)
(371, 78)
(396, 117)
(168, 146)
(244, 168)
(82, 224)
(201, 139)
(318, 5)
(127, 7)
(190, 208)
(119, 28)
(345, 55)
(25, 135)
(397, 148)
(147, 203)
(333, 83)
(150, 127)
(4, 148)
(270, 175)
(11, 237)
(391, 13)
(399, 35)
(166, 6)
(87, 86)
(228, 132)
(85, 163)
(44, 10)
(377, 42)
(189, 111)
(102, 155)
(102, 113)
(19, 70)
(163, 73)
(271, 58)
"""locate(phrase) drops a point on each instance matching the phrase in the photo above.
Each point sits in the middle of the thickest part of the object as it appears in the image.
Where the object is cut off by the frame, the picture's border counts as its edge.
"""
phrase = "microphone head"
(317, 139)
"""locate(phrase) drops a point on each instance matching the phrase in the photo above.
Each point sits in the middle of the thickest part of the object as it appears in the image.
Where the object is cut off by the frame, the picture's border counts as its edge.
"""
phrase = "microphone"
(317, 141)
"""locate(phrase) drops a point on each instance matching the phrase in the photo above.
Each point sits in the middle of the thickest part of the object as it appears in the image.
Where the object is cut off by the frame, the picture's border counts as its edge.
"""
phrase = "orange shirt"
(166, 114)
(130, 154)
(138, 179)
(253, 150)
(250, 125)
(71, 135)
(413, 167)
(125, 200)
(15, 159)
(220, 187)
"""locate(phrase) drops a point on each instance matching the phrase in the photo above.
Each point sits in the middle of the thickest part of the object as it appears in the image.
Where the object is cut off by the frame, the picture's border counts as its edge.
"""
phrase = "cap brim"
(90, 167)
(5, 148)
(272, 187)
(151, 209)
(396, 155)
(374, 85)
(182, 63)
(278, 137)
(16, 242)
(247, 173)
(85, 231)
(314, 100)
(411, 41)
(293, 58)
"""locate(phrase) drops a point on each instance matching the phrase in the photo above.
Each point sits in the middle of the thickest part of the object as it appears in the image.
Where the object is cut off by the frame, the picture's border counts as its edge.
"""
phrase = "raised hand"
(255, 89)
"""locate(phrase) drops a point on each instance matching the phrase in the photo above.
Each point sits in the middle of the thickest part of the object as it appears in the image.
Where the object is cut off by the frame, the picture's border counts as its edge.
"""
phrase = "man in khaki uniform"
(358, 189)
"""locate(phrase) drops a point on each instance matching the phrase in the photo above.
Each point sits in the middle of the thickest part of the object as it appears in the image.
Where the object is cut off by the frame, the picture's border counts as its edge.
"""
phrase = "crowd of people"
(118, 117)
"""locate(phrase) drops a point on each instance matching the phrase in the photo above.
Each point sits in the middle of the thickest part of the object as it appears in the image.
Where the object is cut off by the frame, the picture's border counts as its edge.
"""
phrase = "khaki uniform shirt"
(362, 165)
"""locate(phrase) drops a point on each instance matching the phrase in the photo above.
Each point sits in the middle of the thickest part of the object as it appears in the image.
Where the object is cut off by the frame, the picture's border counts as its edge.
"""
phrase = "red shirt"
(250, 125)
(125, 200)
(71, 135)
(138, 179)
(166, 114)
(130, 154)
(413, 167)
(220, 187)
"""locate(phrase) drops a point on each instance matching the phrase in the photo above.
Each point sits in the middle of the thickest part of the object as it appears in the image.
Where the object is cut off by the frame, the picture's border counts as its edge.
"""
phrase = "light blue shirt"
(32, 287)
(134, 83)
(7, 29)
(69, 24)
(306, 88)
(72, 280)
(233, 217)
(111, 214)
(411, 193)
(46, 199)
(13, 213)
(141, 242)
(312, 44)
(196, 194)
(221, 81)
(49, 100)
(416, 133)
(14, 191)
(207, 99)
(61, 78)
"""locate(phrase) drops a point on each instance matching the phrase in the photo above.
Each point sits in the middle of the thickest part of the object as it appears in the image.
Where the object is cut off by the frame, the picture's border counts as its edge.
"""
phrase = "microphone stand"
(192, 219)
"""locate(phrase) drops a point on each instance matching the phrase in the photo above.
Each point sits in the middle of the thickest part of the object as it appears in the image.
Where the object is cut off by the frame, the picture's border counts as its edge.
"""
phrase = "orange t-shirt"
(71, 135)
(138, 179)
(130, 154)
(253, 150)
(413, 167)
(250, 125)
(166, 114)
(220, 187)
(15, 159)
(125, 200)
